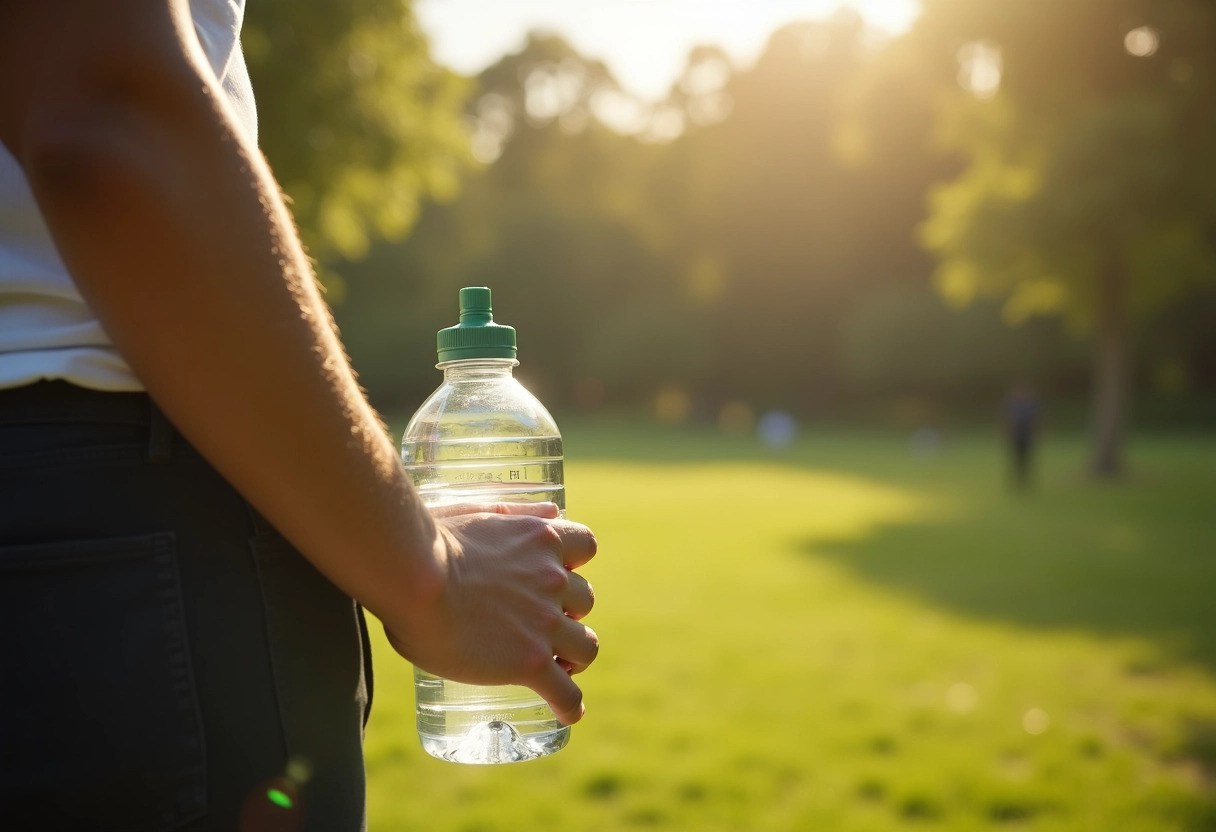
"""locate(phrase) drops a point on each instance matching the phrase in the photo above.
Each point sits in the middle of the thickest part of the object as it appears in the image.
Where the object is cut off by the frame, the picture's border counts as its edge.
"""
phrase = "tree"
(556, 222)
(798, 204)
(359, 124)
(1089, 186)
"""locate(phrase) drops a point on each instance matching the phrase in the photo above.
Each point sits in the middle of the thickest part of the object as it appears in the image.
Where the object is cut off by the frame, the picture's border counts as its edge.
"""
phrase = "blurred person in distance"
(1021, 424)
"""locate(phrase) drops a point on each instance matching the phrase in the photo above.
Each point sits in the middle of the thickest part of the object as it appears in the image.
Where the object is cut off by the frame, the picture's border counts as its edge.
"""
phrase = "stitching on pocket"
(268, 617)
(64, 457)
(125, 454)
(180, 670)
(46, 556)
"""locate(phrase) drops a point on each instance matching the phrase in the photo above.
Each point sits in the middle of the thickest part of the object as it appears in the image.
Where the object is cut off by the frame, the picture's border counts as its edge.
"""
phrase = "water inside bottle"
(484, 725)
(479, 724)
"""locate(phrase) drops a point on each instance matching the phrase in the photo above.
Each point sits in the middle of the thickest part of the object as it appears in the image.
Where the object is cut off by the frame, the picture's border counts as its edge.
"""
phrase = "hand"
(509, 607)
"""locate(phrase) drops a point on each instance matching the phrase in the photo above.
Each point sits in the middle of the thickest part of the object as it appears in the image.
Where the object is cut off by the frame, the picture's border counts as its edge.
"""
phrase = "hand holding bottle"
(509, 606)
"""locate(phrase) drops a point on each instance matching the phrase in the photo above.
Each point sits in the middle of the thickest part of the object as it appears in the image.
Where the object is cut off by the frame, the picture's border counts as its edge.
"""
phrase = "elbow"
(89, 134)
(70, 151)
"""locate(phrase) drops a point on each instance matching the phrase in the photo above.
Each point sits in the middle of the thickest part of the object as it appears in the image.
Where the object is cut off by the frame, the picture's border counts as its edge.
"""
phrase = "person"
(196, 499)
(1021, 428)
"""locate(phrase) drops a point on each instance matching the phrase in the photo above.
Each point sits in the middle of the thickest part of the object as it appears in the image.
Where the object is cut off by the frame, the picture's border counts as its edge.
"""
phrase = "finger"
(578, 543)
(546, 510)
(579, 596)
(575, 645)
(563, 696)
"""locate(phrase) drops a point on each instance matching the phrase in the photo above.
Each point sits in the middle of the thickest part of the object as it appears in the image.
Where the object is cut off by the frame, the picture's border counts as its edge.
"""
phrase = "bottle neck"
(471, 369)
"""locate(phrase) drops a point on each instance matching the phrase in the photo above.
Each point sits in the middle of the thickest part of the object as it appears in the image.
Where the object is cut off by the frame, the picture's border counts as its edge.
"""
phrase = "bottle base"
(495, 743)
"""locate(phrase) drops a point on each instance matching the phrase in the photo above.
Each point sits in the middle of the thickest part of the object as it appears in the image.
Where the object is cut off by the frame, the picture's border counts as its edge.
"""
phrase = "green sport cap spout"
(476, 336)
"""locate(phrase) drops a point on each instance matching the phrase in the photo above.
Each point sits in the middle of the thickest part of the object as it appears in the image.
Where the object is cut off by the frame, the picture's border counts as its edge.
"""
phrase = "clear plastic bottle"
(481, 437)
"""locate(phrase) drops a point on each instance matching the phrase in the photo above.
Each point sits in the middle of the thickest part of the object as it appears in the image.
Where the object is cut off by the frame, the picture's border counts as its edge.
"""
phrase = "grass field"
(850, 635)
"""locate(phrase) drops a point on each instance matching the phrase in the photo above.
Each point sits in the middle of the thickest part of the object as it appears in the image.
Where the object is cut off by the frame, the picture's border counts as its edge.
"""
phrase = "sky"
(643, 42)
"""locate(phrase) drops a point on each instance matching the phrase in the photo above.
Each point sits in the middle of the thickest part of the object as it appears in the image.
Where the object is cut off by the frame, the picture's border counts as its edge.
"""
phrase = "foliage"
(1060, 181)
(742, 240)
(359, 125)
(721, 261)
(559, 226)
(906, 342)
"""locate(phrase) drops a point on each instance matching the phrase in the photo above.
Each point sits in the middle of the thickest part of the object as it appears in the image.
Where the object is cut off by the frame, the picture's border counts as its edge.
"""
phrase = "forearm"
(173, 230)
(175, 233)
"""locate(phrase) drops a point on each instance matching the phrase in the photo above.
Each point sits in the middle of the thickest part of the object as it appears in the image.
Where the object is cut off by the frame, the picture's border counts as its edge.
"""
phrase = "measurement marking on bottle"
(477, 476)
(514, 475)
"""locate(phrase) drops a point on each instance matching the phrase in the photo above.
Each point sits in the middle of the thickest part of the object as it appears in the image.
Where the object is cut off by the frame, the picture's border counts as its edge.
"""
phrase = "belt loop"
(160, 436)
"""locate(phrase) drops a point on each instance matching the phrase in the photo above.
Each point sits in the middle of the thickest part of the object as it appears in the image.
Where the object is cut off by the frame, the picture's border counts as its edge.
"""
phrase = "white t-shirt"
(46, 329)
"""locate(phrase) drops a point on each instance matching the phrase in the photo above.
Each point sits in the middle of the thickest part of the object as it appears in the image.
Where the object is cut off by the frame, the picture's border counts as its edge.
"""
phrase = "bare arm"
(174, 231)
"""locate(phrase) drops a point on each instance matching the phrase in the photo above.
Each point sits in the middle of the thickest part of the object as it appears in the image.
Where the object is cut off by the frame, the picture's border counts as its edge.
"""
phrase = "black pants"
(167, 660)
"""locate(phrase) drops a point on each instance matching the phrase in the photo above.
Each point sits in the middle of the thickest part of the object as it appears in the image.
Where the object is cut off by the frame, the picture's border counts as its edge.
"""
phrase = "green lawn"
(848, 635)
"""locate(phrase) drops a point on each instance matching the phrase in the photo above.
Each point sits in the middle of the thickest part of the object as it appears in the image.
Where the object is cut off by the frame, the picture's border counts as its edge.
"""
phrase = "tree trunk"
(1110, 376)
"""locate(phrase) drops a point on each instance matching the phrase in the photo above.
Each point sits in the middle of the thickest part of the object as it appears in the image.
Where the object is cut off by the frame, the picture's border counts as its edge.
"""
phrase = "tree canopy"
(776, 235)
(359, 124)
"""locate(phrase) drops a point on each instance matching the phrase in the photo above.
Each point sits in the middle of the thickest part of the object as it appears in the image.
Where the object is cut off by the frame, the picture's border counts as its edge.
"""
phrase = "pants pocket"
(99, 722)
(317, 656)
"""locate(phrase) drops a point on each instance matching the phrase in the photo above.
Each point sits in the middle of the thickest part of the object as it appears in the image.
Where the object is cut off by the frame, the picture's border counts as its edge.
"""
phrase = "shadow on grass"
(1081, 561)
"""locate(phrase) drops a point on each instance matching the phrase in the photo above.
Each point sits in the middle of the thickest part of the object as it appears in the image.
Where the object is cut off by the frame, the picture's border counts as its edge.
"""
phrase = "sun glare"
(979, 68)
(1141, 41)
(645, 43)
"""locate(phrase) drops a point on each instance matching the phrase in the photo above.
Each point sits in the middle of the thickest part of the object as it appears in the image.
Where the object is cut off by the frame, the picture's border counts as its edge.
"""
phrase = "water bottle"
(481, 437)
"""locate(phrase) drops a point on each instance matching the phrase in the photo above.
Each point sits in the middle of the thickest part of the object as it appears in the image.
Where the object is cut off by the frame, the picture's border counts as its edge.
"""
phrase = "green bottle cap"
(476, 336)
